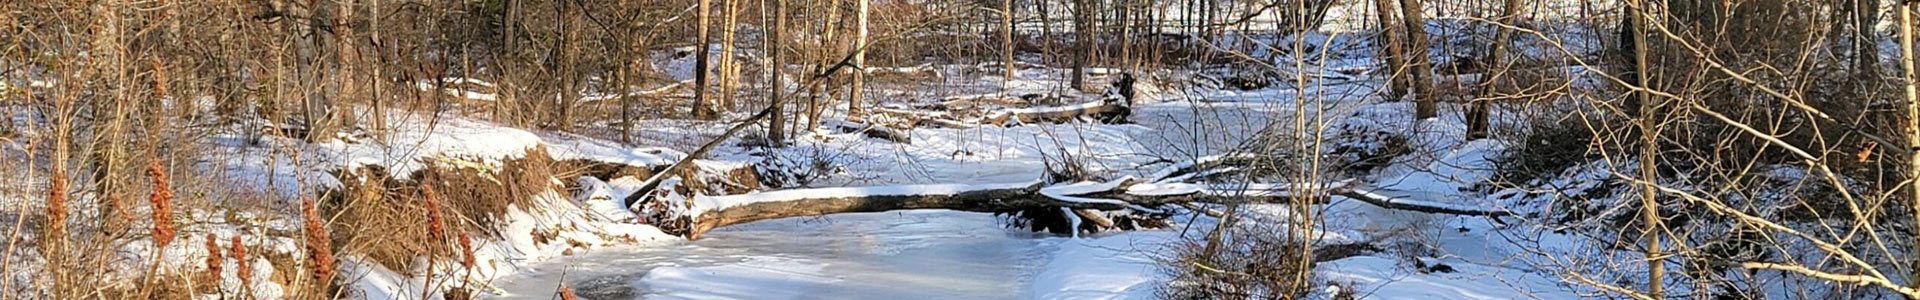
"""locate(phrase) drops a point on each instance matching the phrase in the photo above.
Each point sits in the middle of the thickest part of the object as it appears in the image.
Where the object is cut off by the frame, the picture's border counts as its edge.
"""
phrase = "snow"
(1162, 189)
(1401, 199)
(598, 197)
(406, 151)
(889, 255)
(574, 229)
(1375, 277)
(462, 93)
(1041, 110)
(1065, 192)
(373, 281)
(567, 146)
(757, 277)
(709, 203)
(1106, 267)
(784, 264)
(291, 168)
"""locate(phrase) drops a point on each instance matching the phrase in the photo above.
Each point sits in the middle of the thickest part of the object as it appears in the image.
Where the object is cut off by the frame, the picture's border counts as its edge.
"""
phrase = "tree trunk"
(1391, 50)
(109, 113)
(1006, 38)
(1907, 58)
(1649, 201)
(1496, 66)
(1422, 72)
(776, 133)
(1010, 197)
(818, 95)
(1219, 233)
(859, 59)
(1046, 32)
(729, 70)
(705, 12)
(1866, 47)
(569, 71)
(1207, 28)
(626, 104)
(1109, 113)
(1122, 10)
(1083, 41)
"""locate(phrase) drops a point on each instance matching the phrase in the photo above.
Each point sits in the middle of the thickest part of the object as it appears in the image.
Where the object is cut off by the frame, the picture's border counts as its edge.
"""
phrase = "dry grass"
(165, 287)
(1250, 265)
(427, 217)
(370, 219)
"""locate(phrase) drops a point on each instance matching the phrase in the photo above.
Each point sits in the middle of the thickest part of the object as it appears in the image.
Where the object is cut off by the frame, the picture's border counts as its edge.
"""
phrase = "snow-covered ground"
(946, 254)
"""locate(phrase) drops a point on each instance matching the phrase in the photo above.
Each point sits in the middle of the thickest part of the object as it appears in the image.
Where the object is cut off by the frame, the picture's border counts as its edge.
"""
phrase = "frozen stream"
(890, 255)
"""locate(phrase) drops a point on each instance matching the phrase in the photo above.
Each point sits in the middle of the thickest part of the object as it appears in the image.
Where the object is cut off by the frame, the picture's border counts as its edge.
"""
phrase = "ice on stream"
(892, 255)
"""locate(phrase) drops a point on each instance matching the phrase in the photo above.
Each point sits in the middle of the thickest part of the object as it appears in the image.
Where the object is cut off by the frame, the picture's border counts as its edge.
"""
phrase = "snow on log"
(1394, 200)
(856, 125)
(960, 112)
(709, 212)
(667, 89)
(693, 217)
(1099, 111)
(915, 118)
(980, 100)
(714, 212)
(925, 70)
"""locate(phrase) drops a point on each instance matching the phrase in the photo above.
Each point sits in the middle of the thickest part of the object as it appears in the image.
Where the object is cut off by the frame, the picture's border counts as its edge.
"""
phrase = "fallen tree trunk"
(1082, 199)
(720, 211)
(953, 114)
(916, 118)
(1103, 112)
(856, 125)
(1386, 199)
(822, 202)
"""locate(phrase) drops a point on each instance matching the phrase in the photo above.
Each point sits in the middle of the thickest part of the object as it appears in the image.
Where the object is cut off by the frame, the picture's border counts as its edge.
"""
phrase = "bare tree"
(858, 88)
(1649, 131)
(701, 110)
(1421, 73)
(729, 69)
(1391, 49)
(1496, 67)
(1083, 39)
(776, 131)
(1006, 40)
(1912, 89)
